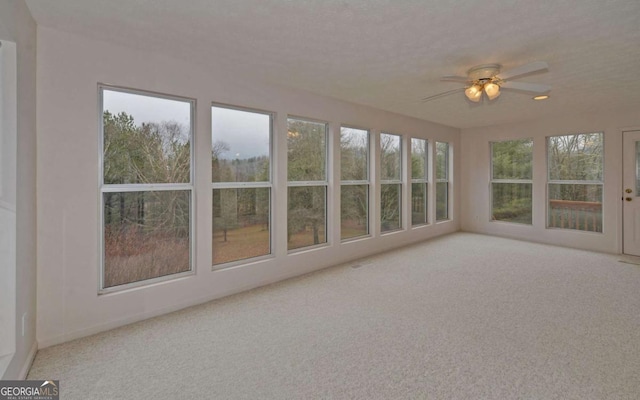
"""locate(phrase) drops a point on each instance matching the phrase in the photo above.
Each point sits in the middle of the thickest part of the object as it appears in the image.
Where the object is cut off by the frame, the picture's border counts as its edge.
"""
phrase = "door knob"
(628, 191)
(628, 198)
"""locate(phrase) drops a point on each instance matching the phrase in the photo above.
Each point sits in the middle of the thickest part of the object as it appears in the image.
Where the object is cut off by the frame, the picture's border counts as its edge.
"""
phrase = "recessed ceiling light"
(543, 97)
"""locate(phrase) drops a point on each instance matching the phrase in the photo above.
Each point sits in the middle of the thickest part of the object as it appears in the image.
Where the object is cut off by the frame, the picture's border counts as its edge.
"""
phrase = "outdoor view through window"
(147, 184)
(442, 181)
(390, 182)
(419, 181)
(575, 167)
(511, 181)
(307, 183)
(146, 188)
(354, 187)
(240, 167)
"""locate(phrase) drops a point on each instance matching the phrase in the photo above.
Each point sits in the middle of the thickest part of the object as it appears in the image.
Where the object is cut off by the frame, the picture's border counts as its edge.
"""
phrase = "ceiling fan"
(488, 79)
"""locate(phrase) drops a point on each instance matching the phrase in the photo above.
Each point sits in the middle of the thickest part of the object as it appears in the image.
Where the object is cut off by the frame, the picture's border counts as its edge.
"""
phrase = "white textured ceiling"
(389, 54)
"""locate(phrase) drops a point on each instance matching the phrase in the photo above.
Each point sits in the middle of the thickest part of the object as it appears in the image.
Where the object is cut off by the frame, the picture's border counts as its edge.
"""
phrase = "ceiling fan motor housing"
(484, 72)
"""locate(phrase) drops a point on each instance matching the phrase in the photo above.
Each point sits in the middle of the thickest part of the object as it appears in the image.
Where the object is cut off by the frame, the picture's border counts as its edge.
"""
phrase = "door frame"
(623, 131)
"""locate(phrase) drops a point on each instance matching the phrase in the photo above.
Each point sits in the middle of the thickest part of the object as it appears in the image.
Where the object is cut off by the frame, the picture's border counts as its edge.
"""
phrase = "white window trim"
(394, 181)
(574, 182)
(250, 185)
(366, 183)
(109, 188)
(319, 183)
(424, 181)
(444, 180)
(492, 180)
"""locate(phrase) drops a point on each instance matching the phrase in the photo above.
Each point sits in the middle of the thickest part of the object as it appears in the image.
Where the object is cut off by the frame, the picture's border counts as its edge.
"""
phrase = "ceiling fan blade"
(537, 88)
(523, 70)
(453, 78)
(443, 94)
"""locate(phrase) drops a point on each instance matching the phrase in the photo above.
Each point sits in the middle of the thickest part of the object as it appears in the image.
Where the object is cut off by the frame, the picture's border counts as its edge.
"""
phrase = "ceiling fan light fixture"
(492, 90)
(474, 93)
(489, 78)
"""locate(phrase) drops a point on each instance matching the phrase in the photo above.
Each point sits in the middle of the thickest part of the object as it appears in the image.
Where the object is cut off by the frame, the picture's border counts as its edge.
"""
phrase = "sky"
(147, 108)
(246, 133)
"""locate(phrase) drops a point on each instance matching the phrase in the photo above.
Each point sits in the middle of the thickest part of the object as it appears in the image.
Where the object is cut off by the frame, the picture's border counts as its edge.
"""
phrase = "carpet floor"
(463, 316)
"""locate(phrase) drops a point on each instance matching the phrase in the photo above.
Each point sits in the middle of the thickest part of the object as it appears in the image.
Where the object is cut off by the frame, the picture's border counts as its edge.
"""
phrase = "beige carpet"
(460, 317)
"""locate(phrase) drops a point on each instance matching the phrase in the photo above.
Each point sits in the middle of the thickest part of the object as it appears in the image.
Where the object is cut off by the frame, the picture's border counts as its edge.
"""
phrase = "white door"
(631, 193)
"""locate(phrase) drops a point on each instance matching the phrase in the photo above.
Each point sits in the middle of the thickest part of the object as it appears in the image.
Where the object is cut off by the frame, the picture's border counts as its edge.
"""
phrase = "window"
(354, 185)
(307, 181)
(575, 182)
(241, 172)
(511, 184)
(419, 181)
(390, 182)
(146, 186)
(442, 181)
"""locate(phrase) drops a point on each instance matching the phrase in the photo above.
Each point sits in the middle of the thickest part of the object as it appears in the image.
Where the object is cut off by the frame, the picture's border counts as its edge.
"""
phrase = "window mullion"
(354, 182)
(239, 185)
(575, 182)
(307, 183)
(512, 181)
(146, 187)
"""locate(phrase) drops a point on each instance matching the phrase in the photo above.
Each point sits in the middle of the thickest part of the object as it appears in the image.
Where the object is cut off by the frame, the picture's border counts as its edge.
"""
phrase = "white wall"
(8, 153)
(69, 69)
(16, 25)
(475, 156)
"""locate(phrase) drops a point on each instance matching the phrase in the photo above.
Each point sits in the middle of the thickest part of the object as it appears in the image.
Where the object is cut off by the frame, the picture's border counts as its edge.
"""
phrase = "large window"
(442, 181)
(575, 168)
(419, 181)
(511, 184)
(146, 186)
(390, 182)
(354, 183)
(241, 171)
(307, 183)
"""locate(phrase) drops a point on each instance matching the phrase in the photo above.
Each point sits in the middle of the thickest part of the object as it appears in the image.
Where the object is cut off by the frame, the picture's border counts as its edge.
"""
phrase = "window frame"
(247, 185)
(399, 181)
(145, 187)
(422, 181)
(493, 181)
(323, 183)
(366, 183)
(574, 182)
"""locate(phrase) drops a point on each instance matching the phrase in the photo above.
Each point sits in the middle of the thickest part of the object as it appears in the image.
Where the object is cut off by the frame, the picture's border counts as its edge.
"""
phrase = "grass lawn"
(305, 238)
(246, 242)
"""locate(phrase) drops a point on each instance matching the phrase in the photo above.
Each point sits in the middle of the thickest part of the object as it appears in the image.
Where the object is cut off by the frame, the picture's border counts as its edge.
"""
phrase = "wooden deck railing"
(583, 215)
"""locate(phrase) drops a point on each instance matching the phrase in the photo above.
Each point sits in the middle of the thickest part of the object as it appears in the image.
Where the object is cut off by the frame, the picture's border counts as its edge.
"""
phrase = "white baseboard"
(29, 361)
(6, 361)
(4, 364)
